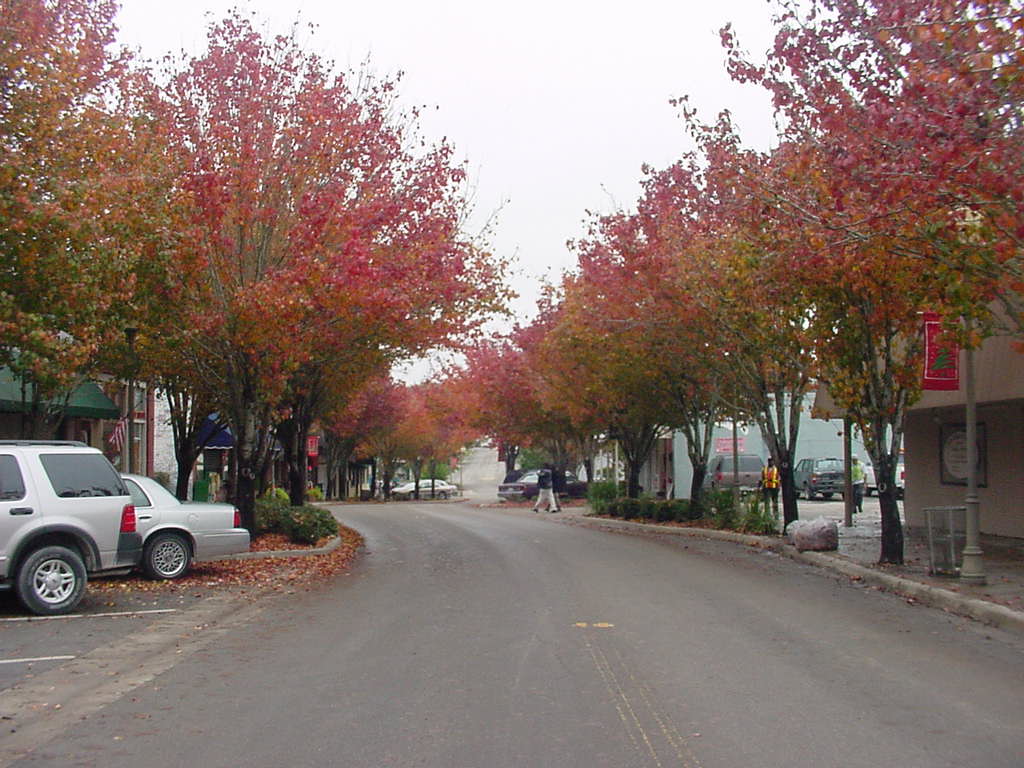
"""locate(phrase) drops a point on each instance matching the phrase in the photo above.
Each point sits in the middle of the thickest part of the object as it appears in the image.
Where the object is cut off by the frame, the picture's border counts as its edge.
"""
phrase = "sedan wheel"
(167, 556)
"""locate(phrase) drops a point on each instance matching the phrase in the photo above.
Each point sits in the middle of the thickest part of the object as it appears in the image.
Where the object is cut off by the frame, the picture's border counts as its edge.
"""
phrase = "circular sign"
(954, 454)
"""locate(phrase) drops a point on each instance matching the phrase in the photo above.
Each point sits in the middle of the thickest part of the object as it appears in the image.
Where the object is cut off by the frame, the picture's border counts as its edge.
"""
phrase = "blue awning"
(215, 436)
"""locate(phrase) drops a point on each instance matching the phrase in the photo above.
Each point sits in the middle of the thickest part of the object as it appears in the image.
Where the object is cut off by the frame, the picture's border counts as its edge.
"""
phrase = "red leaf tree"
(310, 233)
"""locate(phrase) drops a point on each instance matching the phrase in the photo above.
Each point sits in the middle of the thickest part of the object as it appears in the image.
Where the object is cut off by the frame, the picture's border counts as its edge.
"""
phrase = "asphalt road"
(479, 637)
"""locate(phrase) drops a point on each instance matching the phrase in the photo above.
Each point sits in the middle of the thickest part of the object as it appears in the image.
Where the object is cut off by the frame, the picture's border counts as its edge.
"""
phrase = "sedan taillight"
(238, 518)
(128, 519)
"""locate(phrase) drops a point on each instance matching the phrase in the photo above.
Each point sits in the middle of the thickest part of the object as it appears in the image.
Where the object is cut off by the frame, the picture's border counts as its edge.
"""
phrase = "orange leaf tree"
(902, 122)
(70, 166)
(316, 247)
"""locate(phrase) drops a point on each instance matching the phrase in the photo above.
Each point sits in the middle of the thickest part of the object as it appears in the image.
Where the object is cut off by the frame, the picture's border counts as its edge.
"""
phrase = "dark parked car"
(720, 471)
(818, 477)
(526, 487)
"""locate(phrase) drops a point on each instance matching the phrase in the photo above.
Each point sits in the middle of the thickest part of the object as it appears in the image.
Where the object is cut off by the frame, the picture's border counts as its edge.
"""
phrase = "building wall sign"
(724, 444)
(953, 454)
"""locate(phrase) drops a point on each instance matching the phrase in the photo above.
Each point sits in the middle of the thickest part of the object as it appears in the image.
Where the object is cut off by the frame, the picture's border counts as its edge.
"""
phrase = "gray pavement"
(501, 638)
(1000, 602)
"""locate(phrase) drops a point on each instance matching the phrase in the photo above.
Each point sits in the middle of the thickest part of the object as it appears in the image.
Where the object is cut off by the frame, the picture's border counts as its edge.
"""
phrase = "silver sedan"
(176, 533)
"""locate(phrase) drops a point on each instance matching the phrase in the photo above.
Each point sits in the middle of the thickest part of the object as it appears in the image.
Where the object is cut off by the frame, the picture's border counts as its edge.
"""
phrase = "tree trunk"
(252, 448)
(417, 471)
(185, 457)
(700, 471)
(292, 434)
(892, 528)
(187, 418)
(637, 442)
(632, 479)
(790, 509)
(511, 454)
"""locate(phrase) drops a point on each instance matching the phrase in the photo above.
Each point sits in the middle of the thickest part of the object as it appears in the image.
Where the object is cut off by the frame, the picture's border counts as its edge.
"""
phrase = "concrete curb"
(328, 547)
(990, 613)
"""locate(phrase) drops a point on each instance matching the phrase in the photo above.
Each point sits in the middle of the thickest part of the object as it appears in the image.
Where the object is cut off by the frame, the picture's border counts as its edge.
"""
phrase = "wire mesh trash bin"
(946, 539)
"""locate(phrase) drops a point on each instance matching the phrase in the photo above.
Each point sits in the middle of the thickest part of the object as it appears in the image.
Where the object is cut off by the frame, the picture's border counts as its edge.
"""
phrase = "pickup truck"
(65, 512)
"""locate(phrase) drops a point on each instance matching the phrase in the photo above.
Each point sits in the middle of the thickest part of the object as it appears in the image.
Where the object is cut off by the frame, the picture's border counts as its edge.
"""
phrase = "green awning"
(86, 402)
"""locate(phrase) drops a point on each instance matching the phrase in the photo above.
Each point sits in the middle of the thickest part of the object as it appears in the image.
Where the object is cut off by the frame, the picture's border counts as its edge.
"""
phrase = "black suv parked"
(818, 477)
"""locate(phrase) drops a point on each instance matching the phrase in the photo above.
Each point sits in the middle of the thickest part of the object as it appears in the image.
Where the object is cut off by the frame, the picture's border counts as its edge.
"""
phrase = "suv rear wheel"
(51, 580)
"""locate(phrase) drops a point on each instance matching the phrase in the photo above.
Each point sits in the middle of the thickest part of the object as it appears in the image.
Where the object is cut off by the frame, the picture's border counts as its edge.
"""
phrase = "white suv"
(64, 512)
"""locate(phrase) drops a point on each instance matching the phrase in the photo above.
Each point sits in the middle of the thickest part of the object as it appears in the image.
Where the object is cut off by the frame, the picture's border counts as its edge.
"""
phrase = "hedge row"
(751, 515)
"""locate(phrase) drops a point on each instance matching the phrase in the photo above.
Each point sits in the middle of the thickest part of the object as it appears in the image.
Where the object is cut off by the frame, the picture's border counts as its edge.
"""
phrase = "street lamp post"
(972, 568)
(130, 333)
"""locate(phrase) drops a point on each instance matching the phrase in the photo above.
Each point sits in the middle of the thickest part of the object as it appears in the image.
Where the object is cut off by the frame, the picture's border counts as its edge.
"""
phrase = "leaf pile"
(271, 573)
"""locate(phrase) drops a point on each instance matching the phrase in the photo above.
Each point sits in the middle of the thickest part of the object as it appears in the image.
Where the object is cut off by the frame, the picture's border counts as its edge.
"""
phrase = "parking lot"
(31, 645)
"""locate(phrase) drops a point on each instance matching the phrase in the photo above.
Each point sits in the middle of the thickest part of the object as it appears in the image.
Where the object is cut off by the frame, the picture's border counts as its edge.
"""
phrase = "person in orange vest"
(770, 484)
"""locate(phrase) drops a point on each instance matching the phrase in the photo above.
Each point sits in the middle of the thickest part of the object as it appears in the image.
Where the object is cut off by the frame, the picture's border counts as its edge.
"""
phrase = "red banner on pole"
(941, 357)
(312, 445)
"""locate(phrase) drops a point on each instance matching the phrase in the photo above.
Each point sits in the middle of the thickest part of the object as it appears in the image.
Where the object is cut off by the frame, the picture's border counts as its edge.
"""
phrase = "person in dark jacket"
(545, 492)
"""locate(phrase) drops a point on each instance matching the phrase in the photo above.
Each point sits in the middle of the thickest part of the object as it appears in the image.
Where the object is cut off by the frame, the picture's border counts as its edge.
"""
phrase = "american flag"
(116, 437)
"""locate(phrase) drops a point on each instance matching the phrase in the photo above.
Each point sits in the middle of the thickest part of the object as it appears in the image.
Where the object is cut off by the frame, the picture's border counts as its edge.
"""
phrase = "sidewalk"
(1000, 602)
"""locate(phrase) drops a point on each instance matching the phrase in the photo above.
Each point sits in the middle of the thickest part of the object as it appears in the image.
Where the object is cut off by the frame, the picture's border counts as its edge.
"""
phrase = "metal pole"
(130, 425)
(847, 475)
(735, 462)
(972, 569)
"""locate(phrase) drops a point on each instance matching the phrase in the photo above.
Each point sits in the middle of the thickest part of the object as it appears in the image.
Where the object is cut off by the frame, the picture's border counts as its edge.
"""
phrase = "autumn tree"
(448, 425)
(915, 107)
(311, 230)
(901, 120)
(737, 279)
(504, 402)
(366, 423)
(603, 374)
(70, 167)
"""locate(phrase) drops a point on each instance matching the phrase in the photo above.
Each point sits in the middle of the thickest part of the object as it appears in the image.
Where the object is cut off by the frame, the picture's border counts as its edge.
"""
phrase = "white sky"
(555, 105)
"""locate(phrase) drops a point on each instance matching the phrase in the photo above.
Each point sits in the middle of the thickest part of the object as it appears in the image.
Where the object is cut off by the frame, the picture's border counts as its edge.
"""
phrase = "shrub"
(647, 509)
(758, 516)
(314, 494)
(696, 511)
(601, 495)
(664, 512)
(673, 510)
(275, 492)
(308, 524)
(630, 508)
(271, 511)
(723, 509)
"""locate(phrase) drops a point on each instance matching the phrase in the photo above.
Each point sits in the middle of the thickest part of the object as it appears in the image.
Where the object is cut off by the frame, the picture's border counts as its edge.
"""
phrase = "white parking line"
(92, 615)
(38, 658)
